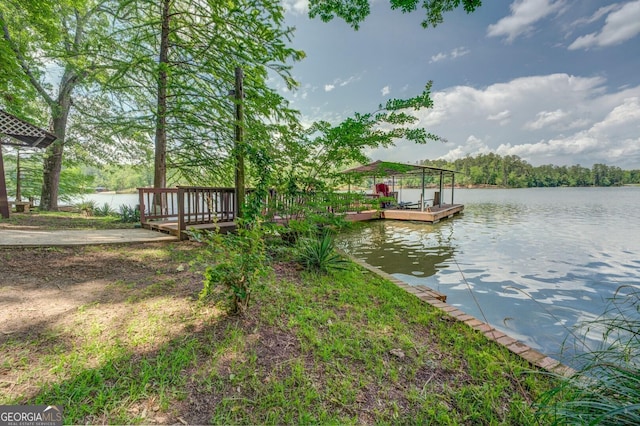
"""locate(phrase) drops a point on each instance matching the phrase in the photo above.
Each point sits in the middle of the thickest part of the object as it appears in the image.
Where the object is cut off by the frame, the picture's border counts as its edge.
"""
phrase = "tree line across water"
(481, 170)
(512, 171)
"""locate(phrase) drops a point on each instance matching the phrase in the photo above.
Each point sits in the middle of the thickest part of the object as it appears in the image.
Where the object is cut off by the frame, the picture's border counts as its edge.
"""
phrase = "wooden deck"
(171, 227)
(177, 210)
(431, 214)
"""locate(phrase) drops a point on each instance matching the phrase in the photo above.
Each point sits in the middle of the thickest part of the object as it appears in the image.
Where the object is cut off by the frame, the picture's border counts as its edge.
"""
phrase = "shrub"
(606, 390)
(296, 230)
(87, 207)
(105, 210)
(239, 264)
(129, 214)
(319, 254)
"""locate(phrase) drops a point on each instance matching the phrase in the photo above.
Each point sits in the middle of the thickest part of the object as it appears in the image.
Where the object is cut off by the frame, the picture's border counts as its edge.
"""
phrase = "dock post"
(422, 198)
(441, 179)
(453, 184)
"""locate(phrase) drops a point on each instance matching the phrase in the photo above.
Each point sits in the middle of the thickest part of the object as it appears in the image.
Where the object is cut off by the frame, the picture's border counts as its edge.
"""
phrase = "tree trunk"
(239, 141)
(160, 163)
(53, 156)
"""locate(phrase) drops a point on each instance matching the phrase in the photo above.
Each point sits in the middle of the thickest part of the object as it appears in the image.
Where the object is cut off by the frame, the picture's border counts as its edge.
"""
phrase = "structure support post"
(4, 202)
(453, 184)
(422, 197)
(238, 144)
(18, 177)
(441, 187)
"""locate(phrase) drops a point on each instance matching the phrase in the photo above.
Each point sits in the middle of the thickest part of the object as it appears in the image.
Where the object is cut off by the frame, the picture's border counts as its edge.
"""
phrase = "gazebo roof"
(389, 168)
(22, 133)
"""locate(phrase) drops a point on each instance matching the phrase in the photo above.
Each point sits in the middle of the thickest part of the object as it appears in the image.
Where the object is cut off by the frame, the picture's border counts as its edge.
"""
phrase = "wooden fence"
(178, 208)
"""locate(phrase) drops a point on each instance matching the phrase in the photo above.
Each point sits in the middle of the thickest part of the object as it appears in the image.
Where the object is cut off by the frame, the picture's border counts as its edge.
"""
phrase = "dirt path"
(39, 286)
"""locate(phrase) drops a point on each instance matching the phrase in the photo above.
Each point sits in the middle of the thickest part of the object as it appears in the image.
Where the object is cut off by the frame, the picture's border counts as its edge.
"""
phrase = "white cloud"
(473, 146)
(348, 80)
(546, 118)
(557, 118)
(296, 7)
(385, 91)
(627, 112)
(620, 25)
(338, 82)
(459, 51)
(502, 117)
(455, 53)
(524, 13)
(439, 57)
(597, 15)
(614, 139)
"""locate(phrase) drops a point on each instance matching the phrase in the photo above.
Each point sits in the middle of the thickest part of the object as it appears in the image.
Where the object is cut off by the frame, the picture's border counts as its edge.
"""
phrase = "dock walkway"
(175, 211)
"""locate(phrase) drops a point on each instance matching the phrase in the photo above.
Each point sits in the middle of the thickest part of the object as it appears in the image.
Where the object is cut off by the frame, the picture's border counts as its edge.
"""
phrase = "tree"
(152, 68)
(355, 11)
(73, 181)
(51, 34)
(322, 150)
(176, 62)
(15, 87)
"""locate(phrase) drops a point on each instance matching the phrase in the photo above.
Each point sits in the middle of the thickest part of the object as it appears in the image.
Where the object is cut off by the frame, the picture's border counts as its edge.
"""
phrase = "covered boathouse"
(425, 209)
(177, 210)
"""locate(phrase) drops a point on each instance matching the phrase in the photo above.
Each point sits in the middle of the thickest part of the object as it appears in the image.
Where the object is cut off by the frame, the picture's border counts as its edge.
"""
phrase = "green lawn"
(61, 220)
(343, 348)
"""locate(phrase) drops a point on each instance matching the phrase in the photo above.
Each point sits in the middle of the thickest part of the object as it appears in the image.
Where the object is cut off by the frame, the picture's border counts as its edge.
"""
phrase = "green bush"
(319, 254)
(606, 390)
(297, 230)
(129, 214)
(239, 264)
(103, 211)
(87, 207)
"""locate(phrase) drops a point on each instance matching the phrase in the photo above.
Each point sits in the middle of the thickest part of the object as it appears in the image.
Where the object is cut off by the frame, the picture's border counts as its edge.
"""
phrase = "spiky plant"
(319, 254)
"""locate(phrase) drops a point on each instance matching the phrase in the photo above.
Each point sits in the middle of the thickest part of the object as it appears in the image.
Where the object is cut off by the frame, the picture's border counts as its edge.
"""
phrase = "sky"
(551, 81)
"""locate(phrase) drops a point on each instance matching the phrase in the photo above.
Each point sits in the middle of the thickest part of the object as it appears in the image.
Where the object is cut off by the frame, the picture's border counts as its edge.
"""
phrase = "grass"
(606, 390)
(344, 347)
(61, 220)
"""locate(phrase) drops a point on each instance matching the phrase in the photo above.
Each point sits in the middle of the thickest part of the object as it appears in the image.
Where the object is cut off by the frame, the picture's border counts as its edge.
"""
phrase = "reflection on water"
(401, 247)
(533, 263)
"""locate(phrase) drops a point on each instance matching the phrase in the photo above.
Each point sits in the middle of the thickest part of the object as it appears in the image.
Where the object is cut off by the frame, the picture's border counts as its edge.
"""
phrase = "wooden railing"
(158, 204)
(193, 205)
(337, 202)
(198, 204)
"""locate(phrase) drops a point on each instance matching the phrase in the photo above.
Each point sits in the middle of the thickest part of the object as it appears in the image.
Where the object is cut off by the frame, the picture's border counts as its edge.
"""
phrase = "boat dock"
(178, 210)
(194, 208)
(432, 214)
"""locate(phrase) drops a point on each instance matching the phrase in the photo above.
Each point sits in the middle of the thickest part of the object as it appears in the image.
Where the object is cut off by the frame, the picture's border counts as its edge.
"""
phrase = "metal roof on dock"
(389, 168)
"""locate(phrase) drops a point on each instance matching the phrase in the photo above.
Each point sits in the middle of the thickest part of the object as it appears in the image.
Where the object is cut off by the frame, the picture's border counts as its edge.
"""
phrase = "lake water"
(531, 262)
(114, 200)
